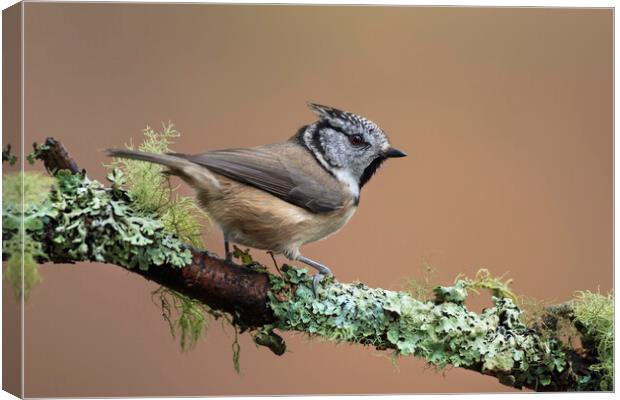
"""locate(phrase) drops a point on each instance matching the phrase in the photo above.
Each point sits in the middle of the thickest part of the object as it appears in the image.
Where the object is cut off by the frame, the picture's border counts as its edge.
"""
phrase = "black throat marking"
(371, 170)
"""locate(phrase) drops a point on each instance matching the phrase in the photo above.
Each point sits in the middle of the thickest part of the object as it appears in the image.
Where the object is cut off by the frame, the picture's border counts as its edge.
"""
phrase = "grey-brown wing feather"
(265, 168)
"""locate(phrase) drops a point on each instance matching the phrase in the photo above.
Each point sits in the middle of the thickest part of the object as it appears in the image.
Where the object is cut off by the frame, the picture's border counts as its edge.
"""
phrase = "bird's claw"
(323, 271)
(318, 277)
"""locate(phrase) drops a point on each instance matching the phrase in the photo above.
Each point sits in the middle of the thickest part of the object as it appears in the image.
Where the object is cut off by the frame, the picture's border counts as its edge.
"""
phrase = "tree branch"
(83, 221)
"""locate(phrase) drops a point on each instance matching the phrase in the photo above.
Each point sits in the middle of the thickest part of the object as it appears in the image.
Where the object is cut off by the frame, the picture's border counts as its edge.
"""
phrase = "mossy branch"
(81, 220)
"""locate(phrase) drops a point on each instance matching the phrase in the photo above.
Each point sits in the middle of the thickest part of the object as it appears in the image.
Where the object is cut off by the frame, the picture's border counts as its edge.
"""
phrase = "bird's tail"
(192, 173)
(168, 160)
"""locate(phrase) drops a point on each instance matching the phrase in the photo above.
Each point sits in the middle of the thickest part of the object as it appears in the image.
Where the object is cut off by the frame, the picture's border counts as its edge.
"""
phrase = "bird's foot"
(322, 273)
(318, 277)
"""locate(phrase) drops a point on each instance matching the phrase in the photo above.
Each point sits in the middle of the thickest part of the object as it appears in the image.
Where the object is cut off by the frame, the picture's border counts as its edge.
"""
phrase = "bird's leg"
(318, 277)
(273, 257)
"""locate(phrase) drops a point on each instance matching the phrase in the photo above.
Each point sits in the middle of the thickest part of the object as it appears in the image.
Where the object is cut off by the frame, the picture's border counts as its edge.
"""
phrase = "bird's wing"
(267, 168)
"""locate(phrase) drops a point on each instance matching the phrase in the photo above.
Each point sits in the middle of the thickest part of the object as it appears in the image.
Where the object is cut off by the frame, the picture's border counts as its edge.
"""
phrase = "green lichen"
(153, 193)
(498, 286)
(18, 245)
(88, 222)
(442, 332)
(594, 315)
(100, 224)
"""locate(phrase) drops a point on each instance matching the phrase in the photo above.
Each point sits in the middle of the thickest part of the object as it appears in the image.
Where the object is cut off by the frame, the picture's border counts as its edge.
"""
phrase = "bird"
(279, 197)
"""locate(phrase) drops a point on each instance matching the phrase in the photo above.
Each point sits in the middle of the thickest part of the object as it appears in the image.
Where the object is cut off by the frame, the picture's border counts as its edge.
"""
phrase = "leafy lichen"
(98, 223)
(442, 332)
(88, 222)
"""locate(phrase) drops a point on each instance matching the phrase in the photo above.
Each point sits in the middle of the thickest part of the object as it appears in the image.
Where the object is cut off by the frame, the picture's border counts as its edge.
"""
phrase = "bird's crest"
(341, 118)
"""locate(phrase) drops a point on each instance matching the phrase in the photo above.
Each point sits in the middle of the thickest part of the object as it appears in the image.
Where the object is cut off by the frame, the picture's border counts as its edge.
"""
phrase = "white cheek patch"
(347, 178)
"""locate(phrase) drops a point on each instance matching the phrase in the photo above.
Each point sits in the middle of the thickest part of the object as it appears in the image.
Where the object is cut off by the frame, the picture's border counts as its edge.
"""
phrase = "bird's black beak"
(394, 153)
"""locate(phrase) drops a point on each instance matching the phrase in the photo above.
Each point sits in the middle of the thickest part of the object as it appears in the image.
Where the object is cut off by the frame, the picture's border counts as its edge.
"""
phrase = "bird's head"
(350, 146)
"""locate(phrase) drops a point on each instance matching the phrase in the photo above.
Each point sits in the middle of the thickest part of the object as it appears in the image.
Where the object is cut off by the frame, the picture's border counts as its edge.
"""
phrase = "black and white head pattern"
(349, 146)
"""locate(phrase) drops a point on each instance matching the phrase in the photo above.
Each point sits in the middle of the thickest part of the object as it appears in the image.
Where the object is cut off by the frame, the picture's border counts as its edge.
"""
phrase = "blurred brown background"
(506, 115)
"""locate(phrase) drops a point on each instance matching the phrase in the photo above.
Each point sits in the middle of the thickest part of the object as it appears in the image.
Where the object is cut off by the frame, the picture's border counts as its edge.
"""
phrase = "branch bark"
(494, 343)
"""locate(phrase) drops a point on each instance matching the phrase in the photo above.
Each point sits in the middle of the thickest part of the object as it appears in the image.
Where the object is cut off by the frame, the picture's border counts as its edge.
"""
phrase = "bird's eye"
(356, 140)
